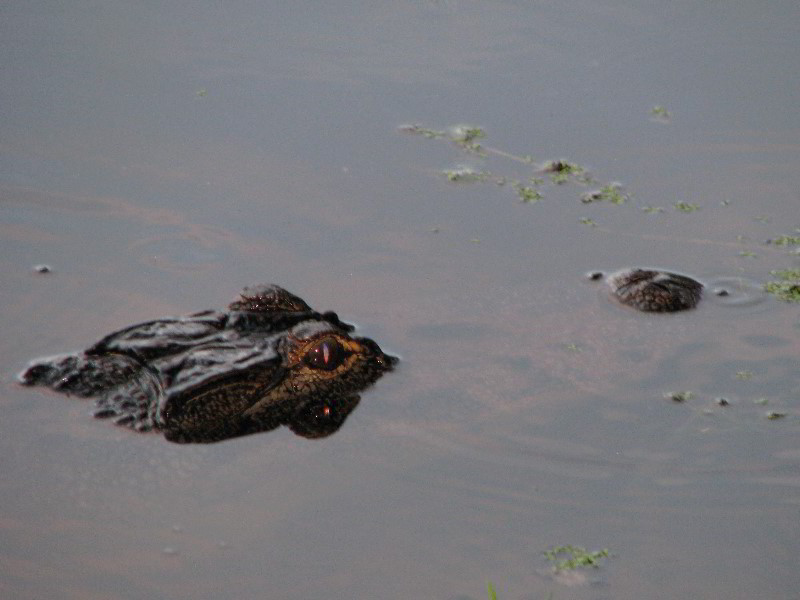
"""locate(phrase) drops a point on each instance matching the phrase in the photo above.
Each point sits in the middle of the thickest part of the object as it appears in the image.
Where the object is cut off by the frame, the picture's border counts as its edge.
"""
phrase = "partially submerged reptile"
(649, 290)
(269, 360)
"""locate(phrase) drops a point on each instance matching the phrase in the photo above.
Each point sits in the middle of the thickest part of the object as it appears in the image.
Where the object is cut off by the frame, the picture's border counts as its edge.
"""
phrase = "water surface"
(159, 158)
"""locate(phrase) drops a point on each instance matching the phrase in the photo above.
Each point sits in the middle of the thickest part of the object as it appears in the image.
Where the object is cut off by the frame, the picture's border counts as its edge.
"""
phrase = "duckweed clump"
(660, 114)
(686, 207)
(532, 187)
(465, 175)
(527, 194)
(560, 171)
(490, 590)
(785, 241)
(569, 558)
(465, 136)
(679, 397)
(774, 416)
(786, 287)
(611, 193)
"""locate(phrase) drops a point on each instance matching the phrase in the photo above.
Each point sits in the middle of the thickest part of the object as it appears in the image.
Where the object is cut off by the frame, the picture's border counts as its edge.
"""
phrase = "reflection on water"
(269, 361)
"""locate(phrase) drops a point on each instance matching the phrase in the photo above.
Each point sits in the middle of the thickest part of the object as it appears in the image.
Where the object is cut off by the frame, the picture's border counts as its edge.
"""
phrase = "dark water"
(159, 158)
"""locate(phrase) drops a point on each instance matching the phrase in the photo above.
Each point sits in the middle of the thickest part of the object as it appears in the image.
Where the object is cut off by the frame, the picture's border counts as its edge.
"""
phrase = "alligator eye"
(326, 354)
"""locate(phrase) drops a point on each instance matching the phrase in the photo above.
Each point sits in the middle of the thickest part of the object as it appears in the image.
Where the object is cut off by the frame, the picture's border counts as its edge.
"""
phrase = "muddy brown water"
(160, 158)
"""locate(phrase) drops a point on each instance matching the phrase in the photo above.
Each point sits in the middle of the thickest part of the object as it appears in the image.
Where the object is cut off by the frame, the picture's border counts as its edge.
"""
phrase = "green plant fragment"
(660, 112)
(559, 178)
(561, 166)
(785, 240)
(788, 291)
(611, 193)
(467, 133)
(465, 175)
(774, 416)
(788, 286)
(787, 274)
(567, 558)
(423, 131)
(686, 207)
(527, 194)
(679, 397)
(490, 590)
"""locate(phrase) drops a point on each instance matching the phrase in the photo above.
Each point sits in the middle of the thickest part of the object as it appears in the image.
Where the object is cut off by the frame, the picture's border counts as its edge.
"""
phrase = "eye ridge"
(326, 354)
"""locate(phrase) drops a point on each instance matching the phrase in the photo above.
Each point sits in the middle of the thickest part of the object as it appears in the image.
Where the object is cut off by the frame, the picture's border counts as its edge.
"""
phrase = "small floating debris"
(569, 558)
(463, 135)
(686, 207)
(679, 397)
(787, 286)
(527, 194)
(169, 551)
(465, 175)
(42, 268)
(785, 241)
(611, 193)
(736, 291)
(560, 170)
(560, 166)
(431, 134)
(774, 415)
(466, 134)
(660, 114)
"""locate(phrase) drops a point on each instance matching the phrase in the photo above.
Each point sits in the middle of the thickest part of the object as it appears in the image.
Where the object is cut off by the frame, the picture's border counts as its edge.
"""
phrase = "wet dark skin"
(269, 360)
(650, 290)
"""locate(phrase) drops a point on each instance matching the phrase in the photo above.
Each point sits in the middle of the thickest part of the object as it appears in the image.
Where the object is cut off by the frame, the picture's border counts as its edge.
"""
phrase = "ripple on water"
(735, 291)
(721, 290)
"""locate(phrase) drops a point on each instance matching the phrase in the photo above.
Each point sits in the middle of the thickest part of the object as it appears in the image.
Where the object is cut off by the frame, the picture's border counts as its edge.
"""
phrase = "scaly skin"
(270, 360)
(655, 291)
